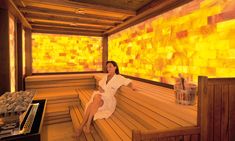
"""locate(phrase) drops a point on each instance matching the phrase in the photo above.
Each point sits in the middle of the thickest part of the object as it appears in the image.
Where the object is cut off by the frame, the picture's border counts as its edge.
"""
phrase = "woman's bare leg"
(98, 102)
(87, 114)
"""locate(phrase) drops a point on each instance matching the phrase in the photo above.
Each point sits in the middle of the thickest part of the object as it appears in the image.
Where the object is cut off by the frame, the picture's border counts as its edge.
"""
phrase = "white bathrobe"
(108, 97)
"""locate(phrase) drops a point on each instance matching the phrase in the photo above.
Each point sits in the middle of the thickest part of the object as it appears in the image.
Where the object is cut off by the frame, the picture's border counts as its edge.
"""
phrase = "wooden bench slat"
(185, 114)
(118, 130)
(128, 120)
(142, 118)
(171, 117)
(159, 118)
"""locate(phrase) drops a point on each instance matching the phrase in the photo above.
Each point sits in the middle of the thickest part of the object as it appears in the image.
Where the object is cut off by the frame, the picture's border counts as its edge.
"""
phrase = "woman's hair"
(115, 65)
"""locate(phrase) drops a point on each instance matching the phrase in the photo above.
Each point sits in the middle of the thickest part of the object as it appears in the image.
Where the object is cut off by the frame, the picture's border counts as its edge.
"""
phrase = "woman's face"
(111, 68)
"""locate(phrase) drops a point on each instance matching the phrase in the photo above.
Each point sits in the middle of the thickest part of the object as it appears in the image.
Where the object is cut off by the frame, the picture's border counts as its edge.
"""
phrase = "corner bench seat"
(134, 111)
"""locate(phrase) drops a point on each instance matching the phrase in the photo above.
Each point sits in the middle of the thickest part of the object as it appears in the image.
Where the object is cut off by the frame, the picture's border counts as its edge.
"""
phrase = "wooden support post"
(20, 56)
(28, 51)
(4, 53)
(203, 107)
(104, 52)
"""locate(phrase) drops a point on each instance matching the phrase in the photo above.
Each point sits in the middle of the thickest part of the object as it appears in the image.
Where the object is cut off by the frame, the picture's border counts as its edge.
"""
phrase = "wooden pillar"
(4, 51)
(203, 106)
(20, 57)
(104, 52)
(28, 51)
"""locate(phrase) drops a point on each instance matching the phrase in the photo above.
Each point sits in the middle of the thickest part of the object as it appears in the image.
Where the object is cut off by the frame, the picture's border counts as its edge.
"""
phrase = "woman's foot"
(86, 129)
(78, 132)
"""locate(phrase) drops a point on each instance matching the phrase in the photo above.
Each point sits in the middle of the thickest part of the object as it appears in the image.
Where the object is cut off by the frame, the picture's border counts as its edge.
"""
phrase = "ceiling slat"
(69, 25)
(65, 32)
(45, 11)
(66, 19)
(66, 27)
(70, 4)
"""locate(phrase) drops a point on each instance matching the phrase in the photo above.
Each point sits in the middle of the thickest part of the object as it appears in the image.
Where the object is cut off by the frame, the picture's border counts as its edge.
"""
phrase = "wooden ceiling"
(89, 17)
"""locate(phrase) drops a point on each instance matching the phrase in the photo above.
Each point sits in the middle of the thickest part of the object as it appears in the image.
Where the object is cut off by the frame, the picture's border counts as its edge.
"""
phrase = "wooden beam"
(20, 57)
(66, 27)
(160, 7)
(66, 19)
(66, 32)
(104, 52)
(4, 53)
(28, 51)
(16, 12)
(47, 11)
(79, 5)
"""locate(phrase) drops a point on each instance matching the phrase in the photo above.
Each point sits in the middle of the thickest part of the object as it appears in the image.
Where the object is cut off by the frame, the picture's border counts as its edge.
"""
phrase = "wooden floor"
(58, 132)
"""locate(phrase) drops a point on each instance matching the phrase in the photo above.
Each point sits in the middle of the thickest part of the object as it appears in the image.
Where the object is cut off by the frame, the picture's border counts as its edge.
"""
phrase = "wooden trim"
(52, 73)
(77, 5)
(66, 27)
(46, 11)
(159, 8)
(150, 81)
(104, 52)
(66, 19)
(16, 12)
(66, 32)
(136, 135)
(4, 53)
(28, 52)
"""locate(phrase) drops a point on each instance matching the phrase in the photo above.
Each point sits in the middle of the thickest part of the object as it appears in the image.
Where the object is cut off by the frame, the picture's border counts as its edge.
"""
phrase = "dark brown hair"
(115, 65)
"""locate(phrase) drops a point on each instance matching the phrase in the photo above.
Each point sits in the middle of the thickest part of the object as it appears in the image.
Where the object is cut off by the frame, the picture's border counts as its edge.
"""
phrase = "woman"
(102, 103)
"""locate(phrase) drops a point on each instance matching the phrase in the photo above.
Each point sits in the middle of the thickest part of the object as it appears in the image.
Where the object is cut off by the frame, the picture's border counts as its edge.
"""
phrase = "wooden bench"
(136, 112)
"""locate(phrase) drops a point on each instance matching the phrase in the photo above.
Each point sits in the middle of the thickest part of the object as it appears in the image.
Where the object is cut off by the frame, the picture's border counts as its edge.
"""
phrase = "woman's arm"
(101, 90)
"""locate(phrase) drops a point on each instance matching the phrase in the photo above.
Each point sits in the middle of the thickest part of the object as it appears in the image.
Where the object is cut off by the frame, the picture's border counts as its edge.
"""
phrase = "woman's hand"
(131, 86)
(101, 90)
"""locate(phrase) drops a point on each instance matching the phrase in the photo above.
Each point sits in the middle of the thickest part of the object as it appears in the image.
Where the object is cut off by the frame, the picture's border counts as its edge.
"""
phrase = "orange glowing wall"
(66, 53)
(195, 39)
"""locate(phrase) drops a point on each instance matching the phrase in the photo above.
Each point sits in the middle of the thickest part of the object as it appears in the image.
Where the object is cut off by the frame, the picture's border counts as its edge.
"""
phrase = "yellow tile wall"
(195, 39)
(66, 53)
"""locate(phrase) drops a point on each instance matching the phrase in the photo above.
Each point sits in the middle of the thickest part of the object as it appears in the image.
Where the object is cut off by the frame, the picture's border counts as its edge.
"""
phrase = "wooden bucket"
(185, 97)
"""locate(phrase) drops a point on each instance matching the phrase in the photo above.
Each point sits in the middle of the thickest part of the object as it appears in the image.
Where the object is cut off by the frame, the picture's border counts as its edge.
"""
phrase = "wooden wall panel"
(218, 109)
(28, 51)
(231, 113)
(4, 53)
(20, 56)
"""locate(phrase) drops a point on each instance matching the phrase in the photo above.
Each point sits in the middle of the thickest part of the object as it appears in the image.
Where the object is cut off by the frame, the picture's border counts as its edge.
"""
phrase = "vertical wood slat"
(20, 56)
(231, 112)
(28, 51)
(210, 112)
(203, 111)
(217, 105)
(224, 113)
(4, 52)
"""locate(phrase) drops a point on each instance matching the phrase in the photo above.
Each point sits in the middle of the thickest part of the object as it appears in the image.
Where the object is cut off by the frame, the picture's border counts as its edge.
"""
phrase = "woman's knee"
(97, 98)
